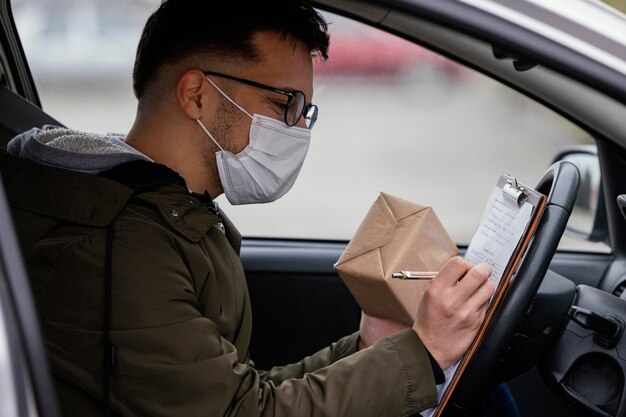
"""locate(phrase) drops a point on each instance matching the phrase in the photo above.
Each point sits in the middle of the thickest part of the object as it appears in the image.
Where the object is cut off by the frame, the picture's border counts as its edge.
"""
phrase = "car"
(439, 97)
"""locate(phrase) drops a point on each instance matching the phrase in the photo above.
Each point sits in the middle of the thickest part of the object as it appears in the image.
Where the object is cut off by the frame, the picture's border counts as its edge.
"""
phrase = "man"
(136, 275)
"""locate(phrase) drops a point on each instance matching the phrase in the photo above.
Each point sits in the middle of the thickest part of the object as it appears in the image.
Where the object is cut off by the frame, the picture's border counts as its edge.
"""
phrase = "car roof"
(589, 27)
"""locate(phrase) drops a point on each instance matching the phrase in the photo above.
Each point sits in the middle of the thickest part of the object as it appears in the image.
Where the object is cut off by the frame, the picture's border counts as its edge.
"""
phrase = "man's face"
(284, 64)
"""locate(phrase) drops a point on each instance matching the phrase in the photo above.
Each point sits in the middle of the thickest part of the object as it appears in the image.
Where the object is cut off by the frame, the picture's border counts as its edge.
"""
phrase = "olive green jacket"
(180, 312)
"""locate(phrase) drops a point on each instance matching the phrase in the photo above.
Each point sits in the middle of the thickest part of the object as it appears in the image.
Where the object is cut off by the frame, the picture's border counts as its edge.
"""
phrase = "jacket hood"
(73, 150)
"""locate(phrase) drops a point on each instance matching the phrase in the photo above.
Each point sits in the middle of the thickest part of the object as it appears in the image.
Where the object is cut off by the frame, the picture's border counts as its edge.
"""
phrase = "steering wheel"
(560, 184)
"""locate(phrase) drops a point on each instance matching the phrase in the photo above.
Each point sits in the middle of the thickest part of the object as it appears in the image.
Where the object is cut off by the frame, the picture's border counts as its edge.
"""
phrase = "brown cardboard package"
(396, 235)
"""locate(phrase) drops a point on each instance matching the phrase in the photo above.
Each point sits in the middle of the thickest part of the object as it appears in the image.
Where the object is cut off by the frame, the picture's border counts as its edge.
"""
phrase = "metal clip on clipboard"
(514, 193)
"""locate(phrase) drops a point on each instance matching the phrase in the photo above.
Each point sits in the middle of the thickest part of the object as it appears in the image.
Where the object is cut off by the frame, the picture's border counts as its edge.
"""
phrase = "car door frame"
(15, 73)
(34, 389)
(33, 382)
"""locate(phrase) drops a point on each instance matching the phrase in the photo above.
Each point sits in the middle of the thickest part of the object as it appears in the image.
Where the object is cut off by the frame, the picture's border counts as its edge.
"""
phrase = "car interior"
(557, 340)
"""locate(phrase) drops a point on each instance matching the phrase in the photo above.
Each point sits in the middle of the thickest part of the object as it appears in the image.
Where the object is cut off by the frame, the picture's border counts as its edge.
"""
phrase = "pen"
(414, 275)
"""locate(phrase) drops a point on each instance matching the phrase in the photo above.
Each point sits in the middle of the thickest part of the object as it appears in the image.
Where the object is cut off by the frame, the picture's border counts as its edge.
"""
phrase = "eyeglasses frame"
(289, 94)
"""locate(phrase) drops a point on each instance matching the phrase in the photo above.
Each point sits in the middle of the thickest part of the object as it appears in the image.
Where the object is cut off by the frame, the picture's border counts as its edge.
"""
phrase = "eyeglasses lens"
(311, 116)
(295, 109)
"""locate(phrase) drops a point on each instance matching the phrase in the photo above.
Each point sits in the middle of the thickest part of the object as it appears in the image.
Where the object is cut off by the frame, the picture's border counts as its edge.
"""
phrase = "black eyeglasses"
(296, 101)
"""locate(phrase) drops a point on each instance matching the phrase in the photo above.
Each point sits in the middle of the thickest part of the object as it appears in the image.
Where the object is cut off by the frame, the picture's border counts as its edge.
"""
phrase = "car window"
(393, 117)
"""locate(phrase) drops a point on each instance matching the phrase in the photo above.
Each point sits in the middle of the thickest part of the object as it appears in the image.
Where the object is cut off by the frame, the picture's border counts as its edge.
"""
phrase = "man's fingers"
(474, 279)
(454, 304)
(451, 272)
(481, 297)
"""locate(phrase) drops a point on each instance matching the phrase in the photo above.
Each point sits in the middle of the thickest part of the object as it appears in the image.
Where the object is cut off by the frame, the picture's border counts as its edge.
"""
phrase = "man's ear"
(192, 94)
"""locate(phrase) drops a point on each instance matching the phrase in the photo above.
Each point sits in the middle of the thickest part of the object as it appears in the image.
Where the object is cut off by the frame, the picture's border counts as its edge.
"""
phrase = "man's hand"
(452, 309)
(375, 328)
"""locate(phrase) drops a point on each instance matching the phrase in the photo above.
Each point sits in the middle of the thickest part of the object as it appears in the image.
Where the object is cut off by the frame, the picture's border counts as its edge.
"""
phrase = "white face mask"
(268, 167)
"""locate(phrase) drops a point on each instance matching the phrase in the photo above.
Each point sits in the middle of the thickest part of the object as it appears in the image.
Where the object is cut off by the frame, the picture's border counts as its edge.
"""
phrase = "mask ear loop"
(228, 98)
(209, 134)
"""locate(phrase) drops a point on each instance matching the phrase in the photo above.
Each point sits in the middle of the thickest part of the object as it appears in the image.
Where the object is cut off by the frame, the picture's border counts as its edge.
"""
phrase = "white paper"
(501, 227)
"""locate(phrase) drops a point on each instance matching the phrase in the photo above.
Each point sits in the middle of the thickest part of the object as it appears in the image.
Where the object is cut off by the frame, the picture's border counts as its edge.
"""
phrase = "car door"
(25, 383)
(389, 122)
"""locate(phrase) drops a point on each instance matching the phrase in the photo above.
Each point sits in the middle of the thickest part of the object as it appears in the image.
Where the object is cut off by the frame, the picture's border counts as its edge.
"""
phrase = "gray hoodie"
(73, 150)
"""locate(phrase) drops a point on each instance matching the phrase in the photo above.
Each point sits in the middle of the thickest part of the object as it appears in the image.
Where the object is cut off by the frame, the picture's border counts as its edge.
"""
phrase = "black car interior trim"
(19, 72)
(588, 368)
(19, 115)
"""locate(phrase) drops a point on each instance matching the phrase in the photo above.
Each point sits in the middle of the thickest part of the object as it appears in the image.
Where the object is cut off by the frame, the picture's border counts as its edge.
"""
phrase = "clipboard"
(519, 197)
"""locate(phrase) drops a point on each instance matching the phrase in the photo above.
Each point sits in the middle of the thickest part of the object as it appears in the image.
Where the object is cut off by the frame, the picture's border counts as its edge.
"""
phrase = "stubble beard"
(223, 131)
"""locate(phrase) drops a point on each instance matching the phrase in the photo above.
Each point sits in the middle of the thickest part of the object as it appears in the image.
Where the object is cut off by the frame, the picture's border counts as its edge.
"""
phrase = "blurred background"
(394, 117)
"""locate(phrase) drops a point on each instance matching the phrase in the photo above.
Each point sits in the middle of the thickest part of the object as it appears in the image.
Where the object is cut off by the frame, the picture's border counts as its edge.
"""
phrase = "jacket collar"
(190, 214)
(143, 175)
(95, 200)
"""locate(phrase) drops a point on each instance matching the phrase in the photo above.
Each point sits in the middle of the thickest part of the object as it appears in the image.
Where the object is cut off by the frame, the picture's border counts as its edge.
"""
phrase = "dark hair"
(183, 28)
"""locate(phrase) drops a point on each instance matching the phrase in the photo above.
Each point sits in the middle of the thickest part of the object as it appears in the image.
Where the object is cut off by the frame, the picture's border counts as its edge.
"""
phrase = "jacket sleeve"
(173, 361)
(344, 347)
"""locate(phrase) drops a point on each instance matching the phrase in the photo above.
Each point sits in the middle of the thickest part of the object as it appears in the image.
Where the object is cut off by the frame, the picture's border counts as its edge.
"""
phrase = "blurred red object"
(365, 53)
